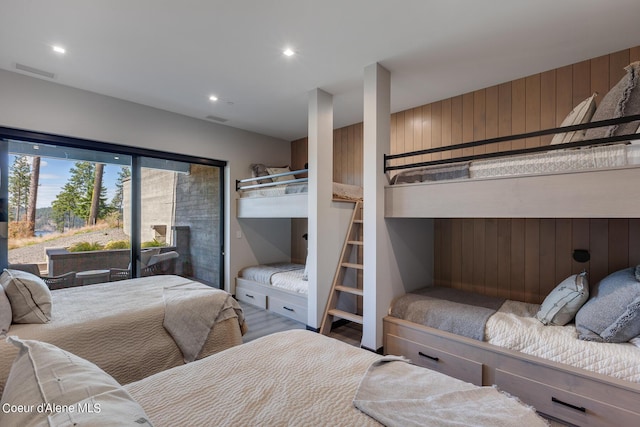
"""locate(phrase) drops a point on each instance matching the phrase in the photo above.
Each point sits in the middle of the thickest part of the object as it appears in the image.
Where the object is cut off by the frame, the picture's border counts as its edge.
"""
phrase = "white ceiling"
(173, 54)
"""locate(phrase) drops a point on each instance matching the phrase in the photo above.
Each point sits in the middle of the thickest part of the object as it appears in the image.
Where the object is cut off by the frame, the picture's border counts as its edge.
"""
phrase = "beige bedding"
(119, 327)
(290, 378)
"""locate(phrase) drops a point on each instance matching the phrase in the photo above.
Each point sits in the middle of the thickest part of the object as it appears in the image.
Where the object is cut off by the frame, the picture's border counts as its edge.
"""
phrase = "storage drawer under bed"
(252, 297)
(285, 308)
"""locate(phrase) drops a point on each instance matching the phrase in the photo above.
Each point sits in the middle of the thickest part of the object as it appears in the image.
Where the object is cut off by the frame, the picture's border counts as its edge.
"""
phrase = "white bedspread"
(291, 281)
(514, 327)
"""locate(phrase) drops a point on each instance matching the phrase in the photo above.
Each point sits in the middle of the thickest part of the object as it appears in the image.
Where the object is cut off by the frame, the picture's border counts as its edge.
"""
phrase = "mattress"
(119, 327)
(283, 275)
(513, 326)
(340, 191)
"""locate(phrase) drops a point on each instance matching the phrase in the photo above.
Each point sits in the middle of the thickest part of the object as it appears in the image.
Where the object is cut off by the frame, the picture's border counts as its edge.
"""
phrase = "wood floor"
(262, 322)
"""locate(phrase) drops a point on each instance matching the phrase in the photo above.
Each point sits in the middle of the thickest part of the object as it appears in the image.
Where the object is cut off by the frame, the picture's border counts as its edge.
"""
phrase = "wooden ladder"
(352, 244)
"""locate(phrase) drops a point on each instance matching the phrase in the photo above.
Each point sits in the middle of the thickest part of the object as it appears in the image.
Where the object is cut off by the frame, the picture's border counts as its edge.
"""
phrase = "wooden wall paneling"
(456, 253)
(581, 82)
(634, 54)
(564, 249)
(400, 137)
(446, 127)
(599, 245)
(532, 108)
(467, 122)
(418, 142)
(479, 256)
(564, 93)
(516, 281)
(446, 247)
(456, 124)
(580, 240)
(547, 104)
(479, 119)
(467, 251)
(436, 129)
(634, 241)
(548, 257)
(505, 112)
(491, 117)
(618, 244)
(600, 76)
(504, 257)
(344, 154)
(408, 134)
(393, 141)
(518, 111)
(531, 259)
(359, 142)
(426, 131)
(617, 62)
(337, 147)
(491, 256)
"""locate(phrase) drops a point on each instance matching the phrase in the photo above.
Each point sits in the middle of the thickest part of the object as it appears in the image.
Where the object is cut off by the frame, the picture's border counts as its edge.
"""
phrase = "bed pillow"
(258, 170)
(622, 100)
(582, 113)
(29, 296)
(562, 304)
(43, 374)
(6, 316)
(612, 314)
(274, 170)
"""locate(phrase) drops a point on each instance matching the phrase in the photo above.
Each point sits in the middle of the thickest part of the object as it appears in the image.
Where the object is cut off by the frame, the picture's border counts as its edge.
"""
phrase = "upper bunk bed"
(588, 170)
(278, 192)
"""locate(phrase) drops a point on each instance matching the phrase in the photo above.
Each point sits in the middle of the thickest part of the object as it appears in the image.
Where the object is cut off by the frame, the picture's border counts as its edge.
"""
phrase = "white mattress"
(291, 281)
(275, 191)
(515, 327)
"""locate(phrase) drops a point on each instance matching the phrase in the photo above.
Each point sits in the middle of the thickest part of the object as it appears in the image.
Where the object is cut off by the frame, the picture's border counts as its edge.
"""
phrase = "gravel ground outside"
(36, 253)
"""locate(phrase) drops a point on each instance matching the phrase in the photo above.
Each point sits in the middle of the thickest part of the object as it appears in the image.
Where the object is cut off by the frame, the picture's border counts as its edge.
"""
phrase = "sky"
(54, 174)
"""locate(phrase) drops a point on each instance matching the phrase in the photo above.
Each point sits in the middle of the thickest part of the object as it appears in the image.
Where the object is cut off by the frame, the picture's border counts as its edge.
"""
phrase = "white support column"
(322, 218)
(380, 271)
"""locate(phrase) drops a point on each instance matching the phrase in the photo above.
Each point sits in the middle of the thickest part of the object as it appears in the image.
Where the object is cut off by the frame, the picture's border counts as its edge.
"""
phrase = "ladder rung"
(345, 315)
(356, 242)
(357, 221)
(351, 265)
(349, 290)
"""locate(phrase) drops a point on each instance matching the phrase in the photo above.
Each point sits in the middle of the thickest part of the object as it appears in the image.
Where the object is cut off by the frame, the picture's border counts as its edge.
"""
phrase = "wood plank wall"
(517, 258)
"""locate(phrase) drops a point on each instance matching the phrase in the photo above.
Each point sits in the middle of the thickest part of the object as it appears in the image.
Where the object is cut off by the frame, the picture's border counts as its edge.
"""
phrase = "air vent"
(32, 70)
(216, 119)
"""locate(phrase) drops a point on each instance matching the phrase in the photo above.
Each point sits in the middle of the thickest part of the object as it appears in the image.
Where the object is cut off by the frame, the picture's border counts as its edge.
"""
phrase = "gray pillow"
(6, 315)
(622, 100)
(612, 314)
(257, 170)
(562, 304)
(29, 296)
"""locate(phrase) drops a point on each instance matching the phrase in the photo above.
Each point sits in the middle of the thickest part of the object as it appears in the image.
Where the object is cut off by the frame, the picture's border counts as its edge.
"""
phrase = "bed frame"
(587, 193)
(293, 205)
(286, 303)
(569, 394)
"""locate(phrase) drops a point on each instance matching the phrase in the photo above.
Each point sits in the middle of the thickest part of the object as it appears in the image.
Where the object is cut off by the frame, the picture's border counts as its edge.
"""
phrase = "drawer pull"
(435, 359)
(250, 296)
(577, 408)
(287, 308)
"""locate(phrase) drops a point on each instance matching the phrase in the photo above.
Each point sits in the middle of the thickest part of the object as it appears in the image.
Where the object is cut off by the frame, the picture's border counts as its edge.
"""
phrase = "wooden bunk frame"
(558, 390)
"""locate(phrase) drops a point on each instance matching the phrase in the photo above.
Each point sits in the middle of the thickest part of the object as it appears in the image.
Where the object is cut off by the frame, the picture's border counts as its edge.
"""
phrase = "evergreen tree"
(118, 197)
(19, 180)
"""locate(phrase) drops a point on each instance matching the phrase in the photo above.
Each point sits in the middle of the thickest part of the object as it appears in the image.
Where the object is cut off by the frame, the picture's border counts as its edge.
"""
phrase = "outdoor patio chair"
(65, 280)
(159, 263)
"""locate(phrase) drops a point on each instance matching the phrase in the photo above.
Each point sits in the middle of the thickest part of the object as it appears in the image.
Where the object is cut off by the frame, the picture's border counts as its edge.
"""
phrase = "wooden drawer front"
(438, 360)
(287, 309)
(564, 405)
(251, 297)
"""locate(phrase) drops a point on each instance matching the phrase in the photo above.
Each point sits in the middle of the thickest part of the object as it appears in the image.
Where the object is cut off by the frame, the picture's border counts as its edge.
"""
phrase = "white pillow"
(582, 113)
(562, 304)
(43, 374)
(6, 315)
(273, 171)
(30, 297)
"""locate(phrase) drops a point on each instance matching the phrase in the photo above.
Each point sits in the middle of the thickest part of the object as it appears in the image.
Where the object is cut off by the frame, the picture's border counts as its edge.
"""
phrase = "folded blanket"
(396, 393)
(191, 311)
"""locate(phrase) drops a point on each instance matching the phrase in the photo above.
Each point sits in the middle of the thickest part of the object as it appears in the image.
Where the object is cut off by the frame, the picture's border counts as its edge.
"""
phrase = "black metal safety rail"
(584, 143)
(271, 184)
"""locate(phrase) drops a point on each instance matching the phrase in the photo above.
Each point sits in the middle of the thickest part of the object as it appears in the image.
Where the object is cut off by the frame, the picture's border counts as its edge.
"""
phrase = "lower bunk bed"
(278, 287)
(487, 341)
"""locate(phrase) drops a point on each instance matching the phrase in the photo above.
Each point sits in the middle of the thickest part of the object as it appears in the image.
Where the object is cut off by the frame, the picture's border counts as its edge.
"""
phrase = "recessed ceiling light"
(288, 52)
(213, 98)
(58, 49)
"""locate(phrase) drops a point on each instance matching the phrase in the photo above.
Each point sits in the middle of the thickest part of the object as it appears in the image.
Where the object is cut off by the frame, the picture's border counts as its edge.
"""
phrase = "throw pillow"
(612, 314)
(622, 100)
(273, 171)
(43, 375)
(582, 113)
(258, 170)
(6, 316)
(29, 296)
(562, 304)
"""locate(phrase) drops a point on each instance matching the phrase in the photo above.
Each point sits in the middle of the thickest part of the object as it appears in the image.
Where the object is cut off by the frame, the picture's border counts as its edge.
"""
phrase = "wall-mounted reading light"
(581, 255)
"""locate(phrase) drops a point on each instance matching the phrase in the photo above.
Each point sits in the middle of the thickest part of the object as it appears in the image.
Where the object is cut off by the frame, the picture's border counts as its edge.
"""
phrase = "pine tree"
(19, 180)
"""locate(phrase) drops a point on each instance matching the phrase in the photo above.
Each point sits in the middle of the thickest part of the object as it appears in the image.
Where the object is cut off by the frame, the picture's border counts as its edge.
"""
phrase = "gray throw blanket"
(447, 309)
(396, 393)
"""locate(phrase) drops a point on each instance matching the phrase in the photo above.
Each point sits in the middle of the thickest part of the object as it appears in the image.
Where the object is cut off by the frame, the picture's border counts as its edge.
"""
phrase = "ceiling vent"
(37, 71)
(216, 119)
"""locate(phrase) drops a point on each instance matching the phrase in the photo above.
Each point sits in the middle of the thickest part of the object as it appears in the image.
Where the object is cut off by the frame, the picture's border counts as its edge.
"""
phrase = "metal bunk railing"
(271, 184)
(545, 148)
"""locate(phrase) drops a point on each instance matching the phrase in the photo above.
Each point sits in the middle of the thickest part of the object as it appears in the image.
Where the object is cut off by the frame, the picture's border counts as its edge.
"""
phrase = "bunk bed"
(578, 386)
(278, 287)
(277, 192)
